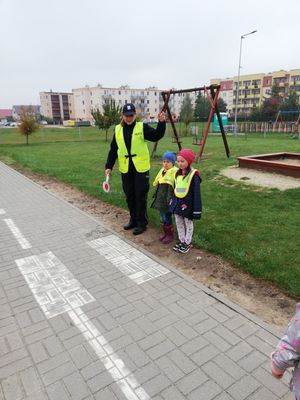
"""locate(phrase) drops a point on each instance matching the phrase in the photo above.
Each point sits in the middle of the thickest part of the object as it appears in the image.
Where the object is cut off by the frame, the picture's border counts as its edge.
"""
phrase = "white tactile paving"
(53, 285)
(130, 261)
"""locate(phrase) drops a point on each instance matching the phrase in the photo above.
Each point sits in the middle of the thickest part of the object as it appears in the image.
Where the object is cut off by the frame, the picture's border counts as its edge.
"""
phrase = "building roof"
(5, 112)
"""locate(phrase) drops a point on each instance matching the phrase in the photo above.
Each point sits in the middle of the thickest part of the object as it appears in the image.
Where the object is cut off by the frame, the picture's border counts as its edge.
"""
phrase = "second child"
(186, 202)
(164, 183)
(287, 353)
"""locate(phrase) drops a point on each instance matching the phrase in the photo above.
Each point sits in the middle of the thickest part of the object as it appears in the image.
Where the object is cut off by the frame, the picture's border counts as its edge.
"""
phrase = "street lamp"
(238, 82)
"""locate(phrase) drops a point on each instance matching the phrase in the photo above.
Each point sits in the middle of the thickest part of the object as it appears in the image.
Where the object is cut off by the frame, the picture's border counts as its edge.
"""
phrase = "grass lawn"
(256, 229)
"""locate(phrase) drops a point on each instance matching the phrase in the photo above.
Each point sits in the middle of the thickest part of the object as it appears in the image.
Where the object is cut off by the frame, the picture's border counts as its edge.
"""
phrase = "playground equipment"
(212, 93)
(288, 121)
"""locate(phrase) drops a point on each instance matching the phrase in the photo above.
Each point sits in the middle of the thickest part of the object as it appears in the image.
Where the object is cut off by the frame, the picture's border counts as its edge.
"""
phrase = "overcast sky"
(65, 44)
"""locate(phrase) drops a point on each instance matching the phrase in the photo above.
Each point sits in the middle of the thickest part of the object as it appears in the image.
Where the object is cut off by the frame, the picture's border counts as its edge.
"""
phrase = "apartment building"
(226, 91)
(57, 106)
(254, 88)
(33, 110)
(148, 101)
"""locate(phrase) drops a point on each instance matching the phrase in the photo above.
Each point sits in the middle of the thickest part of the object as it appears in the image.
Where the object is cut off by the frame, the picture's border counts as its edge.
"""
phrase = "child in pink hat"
(186, 203)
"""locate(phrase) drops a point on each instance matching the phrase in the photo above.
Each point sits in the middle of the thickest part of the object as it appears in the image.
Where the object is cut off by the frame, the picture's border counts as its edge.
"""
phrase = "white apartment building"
(148, 101)
(57, 106)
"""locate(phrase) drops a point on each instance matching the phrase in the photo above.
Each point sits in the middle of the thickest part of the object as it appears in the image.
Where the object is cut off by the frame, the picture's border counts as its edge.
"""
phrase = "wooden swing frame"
(212, 93)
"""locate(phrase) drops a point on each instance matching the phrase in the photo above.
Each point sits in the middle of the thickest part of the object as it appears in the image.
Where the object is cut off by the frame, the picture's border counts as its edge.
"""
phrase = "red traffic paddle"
(106, 184)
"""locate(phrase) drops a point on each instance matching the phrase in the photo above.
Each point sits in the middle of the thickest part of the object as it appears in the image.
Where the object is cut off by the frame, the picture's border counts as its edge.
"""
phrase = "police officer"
(130, 147)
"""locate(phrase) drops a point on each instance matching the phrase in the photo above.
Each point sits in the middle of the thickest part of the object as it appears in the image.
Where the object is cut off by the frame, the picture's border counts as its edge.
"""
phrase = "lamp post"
(238, 81)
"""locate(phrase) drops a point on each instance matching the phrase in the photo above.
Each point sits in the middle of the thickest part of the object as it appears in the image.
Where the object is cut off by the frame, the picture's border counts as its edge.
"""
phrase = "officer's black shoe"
(139, 229)
(131, 224)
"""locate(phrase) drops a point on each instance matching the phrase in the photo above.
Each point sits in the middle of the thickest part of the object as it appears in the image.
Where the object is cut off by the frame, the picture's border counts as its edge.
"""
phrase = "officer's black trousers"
(136, 187)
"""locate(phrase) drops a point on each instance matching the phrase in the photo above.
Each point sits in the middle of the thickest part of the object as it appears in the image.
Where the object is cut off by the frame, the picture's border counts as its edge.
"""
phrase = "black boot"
(139, 229)
(130, 225)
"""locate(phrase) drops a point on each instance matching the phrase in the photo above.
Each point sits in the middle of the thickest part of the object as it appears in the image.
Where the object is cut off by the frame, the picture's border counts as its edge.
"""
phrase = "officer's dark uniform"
(135, 184)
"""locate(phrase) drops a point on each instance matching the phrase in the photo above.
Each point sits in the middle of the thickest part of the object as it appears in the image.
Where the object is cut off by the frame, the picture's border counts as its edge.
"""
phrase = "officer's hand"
(161, 117)
(107, 171)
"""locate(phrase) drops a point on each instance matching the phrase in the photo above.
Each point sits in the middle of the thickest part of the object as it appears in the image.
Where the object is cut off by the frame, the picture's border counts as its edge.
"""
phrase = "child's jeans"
(166, 218)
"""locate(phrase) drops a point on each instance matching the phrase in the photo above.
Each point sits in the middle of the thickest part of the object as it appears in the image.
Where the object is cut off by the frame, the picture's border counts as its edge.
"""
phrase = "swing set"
(289, 119)
(212, 93)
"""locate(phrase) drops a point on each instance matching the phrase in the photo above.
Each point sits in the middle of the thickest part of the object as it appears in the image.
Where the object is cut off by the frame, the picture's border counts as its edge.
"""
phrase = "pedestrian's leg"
(163, 225)
(128, 188)
(141, 188)
(189, 230)
(180, 227)
(187, 245)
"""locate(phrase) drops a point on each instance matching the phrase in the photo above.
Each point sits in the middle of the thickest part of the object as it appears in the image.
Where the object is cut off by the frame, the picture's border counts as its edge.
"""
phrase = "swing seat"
(174, 140)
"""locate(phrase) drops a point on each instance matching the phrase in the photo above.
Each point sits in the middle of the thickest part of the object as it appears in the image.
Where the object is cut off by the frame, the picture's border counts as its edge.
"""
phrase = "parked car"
(43, 123)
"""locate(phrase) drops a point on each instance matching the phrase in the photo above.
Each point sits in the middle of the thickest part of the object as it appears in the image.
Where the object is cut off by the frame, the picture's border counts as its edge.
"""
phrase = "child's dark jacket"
(189, 206)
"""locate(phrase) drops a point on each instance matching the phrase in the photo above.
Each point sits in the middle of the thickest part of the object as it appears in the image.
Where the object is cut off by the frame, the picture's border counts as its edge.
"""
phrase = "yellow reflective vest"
(168, 178)
(139, 150)
(182, 186)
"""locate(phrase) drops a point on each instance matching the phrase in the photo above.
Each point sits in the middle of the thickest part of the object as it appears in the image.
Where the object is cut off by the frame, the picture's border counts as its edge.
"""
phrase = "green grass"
(257, 230)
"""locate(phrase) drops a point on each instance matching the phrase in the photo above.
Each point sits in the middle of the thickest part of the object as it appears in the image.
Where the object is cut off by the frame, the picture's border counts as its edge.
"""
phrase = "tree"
(222, 106)
(269, 108)
(111, 116)
(275, 91)
(186, 112)
(202, 108)
(256, 114)
(290, 103)
(28, 124)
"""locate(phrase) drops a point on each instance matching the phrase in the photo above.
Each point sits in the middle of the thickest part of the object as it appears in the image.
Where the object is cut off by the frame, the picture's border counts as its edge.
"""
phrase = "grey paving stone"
(207, 353)
(137, 355)
(176, 337)
(239, 351)
(231, 367)
(218, 374)
(76, 386)
(170, 369)
(182, 361)
(209, 390)
(160, 349)
(14, 367)
(156, 385)
(38, 352)
(244, 388)
(191, 382)
(105, 394)
(274, 385)
(172, 394)
(144, 374)
(252, 361)
(30, 380)
(57, 391)
(80, 356)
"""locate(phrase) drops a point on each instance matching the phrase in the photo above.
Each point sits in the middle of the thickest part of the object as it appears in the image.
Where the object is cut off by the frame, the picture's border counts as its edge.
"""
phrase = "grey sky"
(65, 44)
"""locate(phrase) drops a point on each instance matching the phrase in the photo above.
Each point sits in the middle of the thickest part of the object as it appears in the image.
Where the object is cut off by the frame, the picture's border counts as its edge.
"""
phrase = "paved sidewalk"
(85, 315)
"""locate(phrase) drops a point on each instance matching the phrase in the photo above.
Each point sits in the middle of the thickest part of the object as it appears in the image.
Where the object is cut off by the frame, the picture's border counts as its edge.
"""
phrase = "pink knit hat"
(187, 154)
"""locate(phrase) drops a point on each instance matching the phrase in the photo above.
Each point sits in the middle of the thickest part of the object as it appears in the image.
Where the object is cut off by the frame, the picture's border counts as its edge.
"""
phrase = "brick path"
(85, 315)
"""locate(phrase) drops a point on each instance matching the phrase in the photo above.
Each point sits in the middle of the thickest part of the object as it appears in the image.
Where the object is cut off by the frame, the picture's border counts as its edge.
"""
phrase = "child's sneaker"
(185, 248)
(177, 246)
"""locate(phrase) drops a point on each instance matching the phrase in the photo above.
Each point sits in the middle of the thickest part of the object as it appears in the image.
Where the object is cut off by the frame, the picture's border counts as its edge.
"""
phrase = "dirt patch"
(260, 298)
